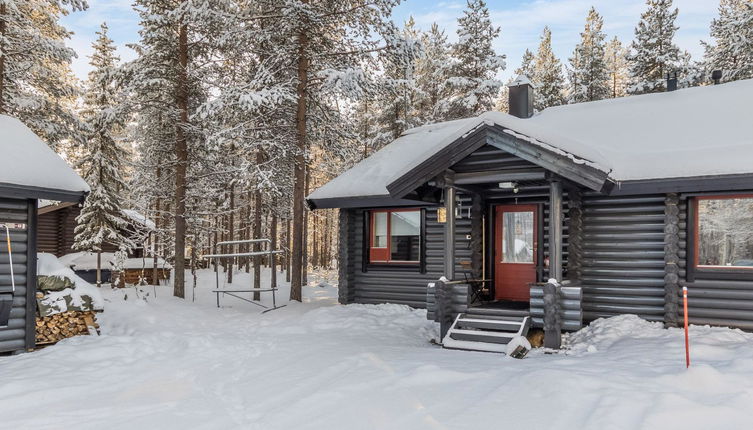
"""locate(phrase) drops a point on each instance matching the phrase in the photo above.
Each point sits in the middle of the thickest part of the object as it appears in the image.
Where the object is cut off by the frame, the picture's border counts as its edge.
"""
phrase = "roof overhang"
(694, 184)
(365, 202)
(565, 165)
(16, 191)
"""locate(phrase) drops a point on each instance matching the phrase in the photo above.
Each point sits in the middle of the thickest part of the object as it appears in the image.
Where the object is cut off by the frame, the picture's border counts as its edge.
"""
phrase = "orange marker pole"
(685, 313)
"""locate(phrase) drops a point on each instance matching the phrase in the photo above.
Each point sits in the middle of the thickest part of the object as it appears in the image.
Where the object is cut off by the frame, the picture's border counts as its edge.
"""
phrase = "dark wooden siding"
(623, 256)
(56, 232)
(19, 334)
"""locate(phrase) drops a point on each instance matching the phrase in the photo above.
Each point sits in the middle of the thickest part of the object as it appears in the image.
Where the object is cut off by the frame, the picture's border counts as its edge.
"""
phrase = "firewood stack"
(53, 328)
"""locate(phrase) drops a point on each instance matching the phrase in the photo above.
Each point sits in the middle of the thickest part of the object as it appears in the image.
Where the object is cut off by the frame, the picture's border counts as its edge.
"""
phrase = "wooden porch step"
(500, 312)
(488, 323)
(488, 333)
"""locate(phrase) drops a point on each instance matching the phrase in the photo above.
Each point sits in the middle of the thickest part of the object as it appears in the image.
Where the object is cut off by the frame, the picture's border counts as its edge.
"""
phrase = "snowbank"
(49, 265)
(169, 363)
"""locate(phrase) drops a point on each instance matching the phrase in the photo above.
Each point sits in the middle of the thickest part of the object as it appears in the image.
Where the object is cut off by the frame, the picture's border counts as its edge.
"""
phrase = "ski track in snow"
(166, 363)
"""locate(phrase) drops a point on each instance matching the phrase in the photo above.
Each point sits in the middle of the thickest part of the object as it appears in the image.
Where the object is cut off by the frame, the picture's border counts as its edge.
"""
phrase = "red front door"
(515, 244)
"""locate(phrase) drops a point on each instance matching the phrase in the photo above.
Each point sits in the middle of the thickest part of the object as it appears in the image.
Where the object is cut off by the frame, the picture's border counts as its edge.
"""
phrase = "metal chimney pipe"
(716, 76)
(521, 97)
(672, 82)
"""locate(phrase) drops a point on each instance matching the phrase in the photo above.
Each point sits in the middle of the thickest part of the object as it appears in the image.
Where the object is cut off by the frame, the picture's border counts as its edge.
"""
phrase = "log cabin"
(29, 171)
(56, 235)
(620, 202)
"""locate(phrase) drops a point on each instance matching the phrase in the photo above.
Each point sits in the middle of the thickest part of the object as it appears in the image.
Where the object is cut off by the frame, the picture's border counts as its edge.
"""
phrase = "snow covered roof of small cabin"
(701, 131)
(27, 161)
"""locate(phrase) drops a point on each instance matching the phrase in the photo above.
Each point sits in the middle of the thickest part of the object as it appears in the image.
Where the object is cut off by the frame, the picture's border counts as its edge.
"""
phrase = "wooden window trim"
(380, 253)
(699, 269)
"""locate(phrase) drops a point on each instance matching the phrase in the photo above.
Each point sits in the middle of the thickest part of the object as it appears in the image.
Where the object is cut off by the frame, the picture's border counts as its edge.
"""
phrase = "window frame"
(382, 256)
(696, 226)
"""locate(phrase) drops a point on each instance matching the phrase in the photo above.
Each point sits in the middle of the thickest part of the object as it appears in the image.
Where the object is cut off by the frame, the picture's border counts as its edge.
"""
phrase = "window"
(724, 232)
(517, 237)
(395, 236)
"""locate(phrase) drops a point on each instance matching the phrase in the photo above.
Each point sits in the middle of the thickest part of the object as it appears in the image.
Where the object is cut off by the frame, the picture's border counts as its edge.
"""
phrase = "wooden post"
(575, 235)
(671, 259)
(449, 230)
(555, 230)
(552, 324)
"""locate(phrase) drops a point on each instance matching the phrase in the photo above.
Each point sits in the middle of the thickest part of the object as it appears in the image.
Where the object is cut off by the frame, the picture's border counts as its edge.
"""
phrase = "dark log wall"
(623, 265)
(56, 232)
(19, 334)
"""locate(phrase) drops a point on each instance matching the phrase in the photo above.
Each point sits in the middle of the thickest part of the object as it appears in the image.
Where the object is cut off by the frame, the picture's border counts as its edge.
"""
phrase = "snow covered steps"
(489, 333)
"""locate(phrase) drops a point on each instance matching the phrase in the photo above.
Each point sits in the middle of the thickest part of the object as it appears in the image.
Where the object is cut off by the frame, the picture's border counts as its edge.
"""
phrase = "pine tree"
(588, 76)
(526, 64)
(432, 70)
(36, 82)
(473, 86)
(547, 75)
(732, 48)
(653, 52)
(617, 67)
(332, 41)
(101, 219)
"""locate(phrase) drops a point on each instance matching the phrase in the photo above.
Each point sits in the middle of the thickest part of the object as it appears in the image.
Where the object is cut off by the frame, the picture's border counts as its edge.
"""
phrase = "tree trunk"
(99, 269)
(154, 237)
(273, 236)
(231, 230)
(181, 155)
(287, 249)
(257, 228)
(2, 59)
(299, 170)
(305, 260)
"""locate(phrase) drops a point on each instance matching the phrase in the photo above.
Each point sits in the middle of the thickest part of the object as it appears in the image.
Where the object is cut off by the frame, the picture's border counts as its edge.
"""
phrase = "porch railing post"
(449, 230)
(555, 230)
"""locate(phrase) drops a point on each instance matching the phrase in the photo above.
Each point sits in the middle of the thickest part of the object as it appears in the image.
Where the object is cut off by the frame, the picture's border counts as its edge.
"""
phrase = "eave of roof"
(15, 191)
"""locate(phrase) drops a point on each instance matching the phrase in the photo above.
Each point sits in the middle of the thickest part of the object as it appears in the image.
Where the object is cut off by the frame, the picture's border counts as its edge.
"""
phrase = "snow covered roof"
(694, 132)
(27, 162)
(139, 218)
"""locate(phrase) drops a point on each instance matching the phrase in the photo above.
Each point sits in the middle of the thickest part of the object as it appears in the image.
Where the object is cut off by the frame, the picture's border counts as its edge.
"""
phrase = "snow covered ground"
(166, 363)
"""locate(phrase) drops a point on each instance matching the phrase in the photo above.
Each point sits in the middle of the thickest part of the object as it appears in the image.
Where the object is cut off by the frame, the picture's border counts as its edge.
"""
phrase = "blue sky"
(521, 20)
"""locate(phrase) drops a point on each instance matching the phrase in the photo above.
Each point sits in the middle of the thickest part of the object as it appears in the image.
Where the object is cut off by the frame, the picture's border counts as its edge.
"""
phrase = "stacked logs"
(56, 327)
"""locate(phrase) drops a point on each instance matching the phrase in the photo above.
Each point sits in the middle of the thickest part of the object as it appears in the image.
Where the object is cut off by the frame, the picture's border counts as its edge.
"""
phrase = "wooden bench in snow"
(235, 292)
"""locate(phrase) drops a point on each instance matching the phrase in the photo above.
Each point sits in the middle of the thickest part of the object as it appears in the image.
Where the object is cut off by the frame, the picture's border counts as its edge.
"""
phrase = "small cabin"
(621, 202)
(29, 171)
(56, 235)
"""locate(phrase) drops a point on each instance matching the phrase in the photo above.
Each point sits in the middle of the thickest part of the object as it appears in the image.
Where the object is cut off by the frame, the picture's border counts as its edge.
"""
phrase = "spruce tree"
(617, 67)
(473, 85)
(101, 219)
(588, 64)
(732, 48)
(653, 52)
(37, 85)
(547, 75)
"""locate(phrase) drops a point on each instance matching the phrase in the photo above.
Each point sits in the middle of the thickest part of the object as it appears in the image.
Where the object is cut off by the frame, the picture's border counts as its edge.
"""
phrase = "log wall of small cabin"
(19, 333)
(57, 232)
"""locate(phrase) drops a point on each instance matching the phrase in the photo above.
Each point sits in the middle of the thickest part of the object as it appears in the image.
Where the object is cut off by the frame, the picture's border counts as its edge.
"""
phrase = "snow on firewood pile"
(62, 290)
(168, 363)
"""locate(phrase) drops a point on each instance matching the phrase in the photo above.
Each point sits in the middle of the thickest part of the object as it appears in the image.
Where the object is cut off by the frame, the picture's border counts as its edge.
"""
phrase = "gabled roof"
(702, 132)
(30, 169)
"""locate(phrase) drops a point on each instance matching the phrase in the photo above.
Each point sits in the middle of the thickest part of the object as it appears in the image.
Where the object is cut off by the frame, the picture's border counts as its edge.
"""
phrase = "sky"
(521, 21)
